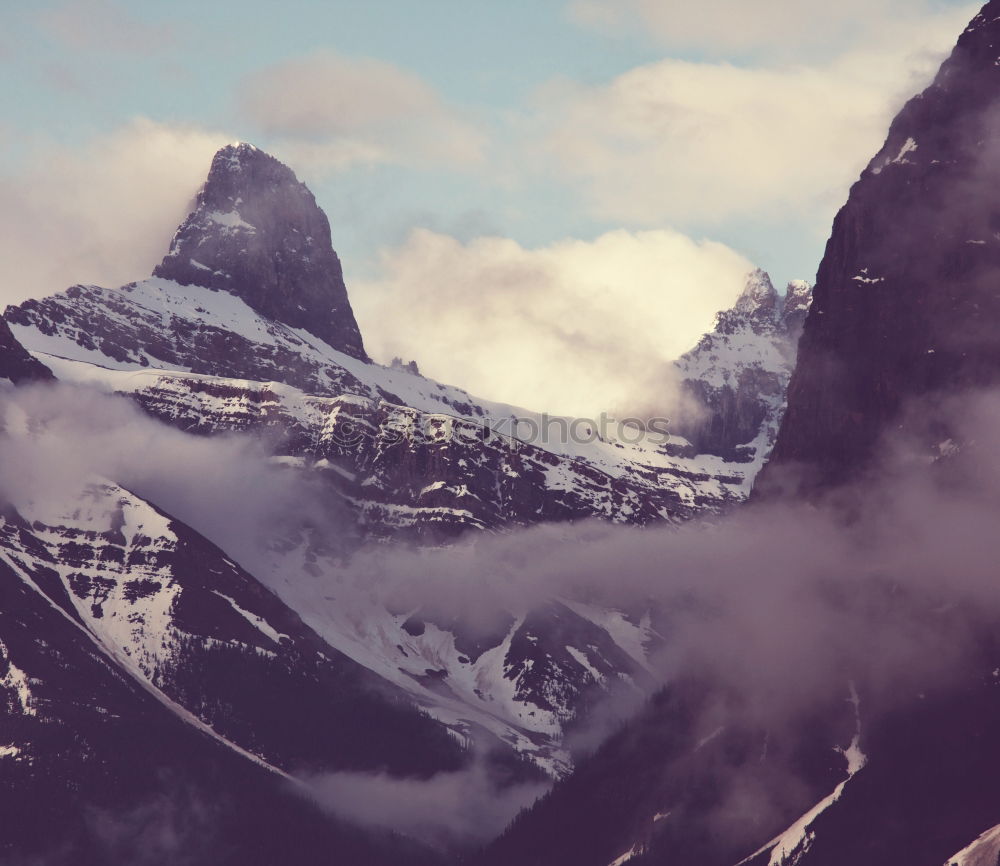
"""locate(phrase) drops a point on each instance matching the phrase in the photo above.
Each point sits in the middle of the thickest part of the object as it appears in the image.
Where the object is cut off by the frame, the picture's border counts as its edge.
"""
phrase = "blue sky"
(728, 130)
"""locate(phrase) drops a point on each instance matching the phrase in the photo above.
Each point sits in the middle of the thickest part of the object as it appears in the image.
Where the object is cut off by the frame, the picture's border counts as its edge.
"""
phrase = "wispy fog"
(784, 604)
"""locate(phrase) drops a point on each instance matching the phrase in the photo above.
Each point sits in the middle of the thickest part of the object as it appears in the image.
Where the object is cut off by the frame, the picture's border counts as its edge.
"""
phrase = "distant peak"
(795, 307)
(237, 154)
(257, 233)
(798, 293)
(758, 295)
(760, 308)
(756, 308)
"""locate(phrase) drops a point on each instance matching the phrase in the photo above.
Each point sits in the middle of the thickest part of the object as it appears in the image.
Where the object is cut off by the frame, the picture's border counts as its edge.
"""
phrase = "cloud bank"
(782, 605)
(762, 28)
(699, 142)
(576, 327)
(102, 214)
(448, 810)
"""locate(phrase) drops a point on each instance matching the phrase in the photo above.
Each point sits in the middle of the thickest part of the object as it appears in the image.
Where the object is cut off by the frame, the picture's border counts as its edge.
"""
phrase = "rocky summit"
(257, 232)
(735, 378)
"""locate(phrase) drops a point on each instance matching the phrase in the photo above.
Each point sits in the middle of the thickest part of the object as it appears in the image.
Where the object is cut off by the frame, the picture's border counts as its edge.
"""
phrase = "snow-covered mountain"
(409, 454)
(738, 373)
(158, 700)
(246, 328)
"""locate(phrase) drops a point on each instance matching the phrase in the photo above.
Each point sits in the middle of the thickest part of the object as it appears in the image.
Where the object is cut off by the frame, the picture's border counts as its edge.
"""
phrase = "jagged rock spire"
(733, 381)
(257, 232)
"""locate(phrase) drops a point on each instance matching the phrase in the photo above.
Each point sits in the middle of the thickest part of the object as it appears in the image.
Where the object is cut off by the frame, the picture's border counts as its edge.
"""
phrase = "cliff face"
(257, 232)
(16, 363)
(908, 293)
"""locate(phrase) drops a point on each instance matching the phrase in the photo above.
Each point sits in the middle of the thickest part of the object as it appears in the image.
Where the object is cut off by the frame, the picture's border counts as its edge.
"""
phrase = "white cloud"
(335, 111)
(728, 27)
(698, 143)
(103, 213)
(577, 327)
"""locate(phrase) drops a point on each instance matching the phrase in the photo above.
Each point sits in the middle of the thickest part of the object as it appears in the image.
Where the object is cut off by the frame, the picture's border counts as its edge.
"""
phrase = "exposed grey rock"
(16, 363)
(257, 232)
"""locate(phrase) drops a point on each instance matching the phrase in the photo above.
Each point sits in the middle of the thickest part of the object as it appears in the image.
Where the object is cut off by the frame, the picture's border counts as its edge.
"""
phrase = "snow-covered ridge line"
(118, 660)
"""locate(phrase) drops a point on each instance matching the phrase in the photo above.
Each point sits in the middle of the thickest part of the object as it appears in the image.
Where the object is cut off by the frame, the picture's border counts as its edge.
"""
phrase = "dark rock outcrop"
(907, 299)
(257, 232)
(15, 362)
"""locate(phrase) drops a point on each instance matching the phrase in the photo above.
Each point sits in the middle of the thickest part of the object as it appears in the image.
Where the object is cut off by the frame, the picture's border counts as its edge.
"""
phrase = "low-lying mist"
(786, 604)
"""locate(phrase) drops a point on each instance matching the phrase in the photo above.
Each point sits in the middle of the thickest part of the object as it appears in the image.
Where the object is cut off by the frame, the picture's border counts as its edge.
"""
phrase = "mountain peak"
(257, 233)
(758, 292)
(795, 307)
(757, 306)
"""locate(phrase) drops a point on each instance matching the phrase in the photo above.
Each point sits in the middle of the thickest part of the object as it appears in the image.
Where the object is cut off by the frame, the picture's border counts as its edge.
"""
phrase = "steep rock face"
(16, 363)
(661, 789)
(797, 301)
(908, 293)
(96, 769)
(257, 232)
(186, 622)
(737, 374)
(864, 777)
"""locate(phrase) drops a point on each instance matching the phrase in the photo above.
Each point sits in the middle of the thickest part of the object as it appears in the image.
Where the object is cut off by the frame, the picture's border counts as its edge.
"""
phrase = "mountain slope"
(16, 363)
(905, 299)
(403, 437)
(96, 768)
(182, 618)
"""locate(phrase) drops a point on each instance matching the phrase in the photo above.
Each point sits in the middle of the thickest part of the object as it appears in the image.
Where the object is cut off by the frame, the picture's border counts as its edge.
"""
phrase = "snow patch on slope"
(985, 851)
(792, 845)
(257, 622)
(17, 681)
